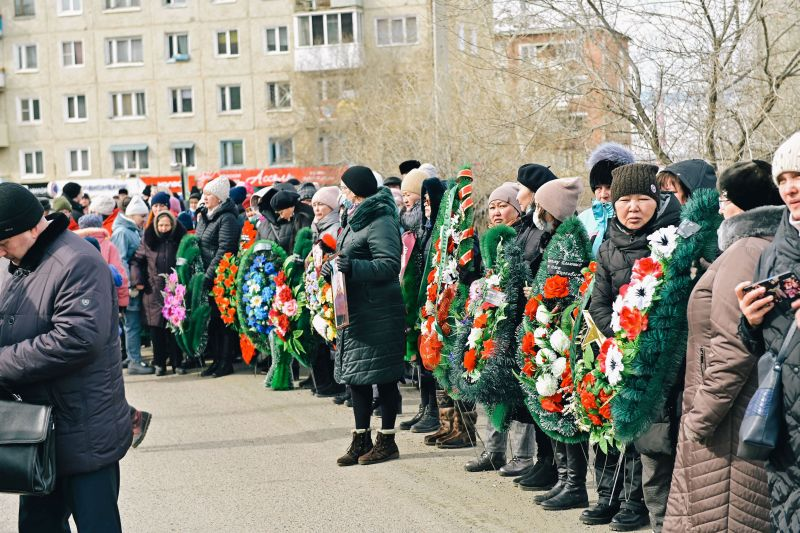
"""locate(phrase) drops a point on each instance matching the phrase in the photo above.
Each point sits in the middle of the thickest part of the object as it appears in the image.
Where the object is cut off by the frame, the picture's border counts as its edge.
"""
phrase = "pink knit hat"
(328, 196)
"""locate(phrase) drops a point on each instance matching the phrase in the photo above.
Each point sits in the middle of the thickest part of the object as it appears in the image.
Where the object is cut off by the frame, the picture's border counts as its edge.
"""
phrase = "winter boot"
(560, 457)
(385, 449)
(361, 444)
(487, 461)
(574, 495)
(543, 475)
(463, 435)
(446, 415)
(405, 426)
(428, 423)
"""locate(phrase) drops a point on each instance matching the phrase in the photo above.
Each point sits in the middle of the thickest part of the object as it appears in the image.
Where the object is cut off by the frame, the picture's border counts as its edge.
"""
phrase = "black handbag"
(27, 448)
(758, 434)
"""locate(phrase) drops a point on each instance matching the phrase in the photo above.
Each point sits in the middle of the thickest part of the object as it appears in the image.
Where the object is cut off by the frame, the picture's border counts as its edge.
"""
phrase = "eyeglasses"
(723, 201)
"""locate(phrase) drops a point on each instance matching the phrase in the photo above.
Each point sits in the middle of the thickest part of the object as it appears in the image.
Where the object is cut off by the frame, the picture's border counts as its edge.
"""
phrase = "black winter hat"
(392, 181)
(694, 174)
(434, 189)
(603, 160)
(19, 210)
(534, 176)
(71, 190)
(160, 198)
(147, 190)
(283, 200)
(748, 184)
(636, 178)
(361, 181)
(408, 166)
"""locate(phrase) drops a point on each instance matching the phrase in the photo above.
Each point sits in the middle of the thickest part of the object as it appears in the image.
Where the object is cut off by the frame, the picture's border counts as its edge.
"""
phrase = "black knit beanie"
(748, 184)
(19, 210)
(636, 178)
(71, 190)
(361, 181)
(283, 200)
(534, 176)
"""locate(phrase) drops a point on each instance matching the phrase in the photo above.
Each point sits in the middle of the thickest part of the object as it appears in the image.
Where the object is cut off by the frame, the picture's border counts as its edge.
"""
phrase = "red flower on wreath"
(556, 287)
(529, 344)
(647, 266)
(488, 349)
(470, 360)
(588, 400)
(531, 307)
(633, 322)
(553, 403)
(480, 321)
(605, 402)
(529, 368)
(596, 420)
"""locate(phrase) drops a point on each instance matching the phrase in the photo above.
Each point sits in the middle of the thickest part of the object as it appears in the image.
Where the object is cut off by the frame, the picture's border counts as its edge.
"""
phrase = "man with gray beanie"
(60, 340)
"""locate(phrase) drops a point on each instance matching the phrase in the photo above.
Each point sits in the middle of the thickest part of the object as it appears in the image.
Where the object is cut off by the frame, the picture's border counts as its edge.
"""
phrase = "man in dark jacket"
(59, 345)
(218, 233)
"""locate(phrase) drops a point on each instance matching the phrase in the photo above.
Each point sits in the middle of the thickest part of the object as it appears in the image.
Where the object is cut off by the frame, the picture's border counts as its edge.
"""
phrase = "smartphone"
(785, 288)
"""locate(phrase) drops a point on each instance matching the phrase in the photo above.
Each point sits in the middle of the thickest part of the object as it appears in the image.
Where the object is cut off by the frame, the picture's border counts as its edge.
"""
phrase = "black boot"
(361, 444)
(210, 369)
(543, 475)
(560, 458)
(405, 426)
(487, 461)
(429, 421)
(629, 520)
(574, 495)
(599, 514)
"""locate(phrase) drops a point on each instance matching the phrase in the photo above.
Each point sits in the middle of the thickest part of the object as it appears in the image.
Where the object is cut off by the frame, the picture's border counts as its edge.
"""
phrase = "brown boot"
(361, 444)
(463, 435)
(385, 450)
(445, 425)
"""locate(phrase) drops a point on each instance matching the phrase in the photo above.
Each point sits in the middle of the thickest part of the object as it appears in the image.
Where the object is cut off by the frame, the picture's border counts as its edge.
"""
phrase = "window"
(177, 47)
(281, 151)
(175, 3)
(131, 158)
(31, 163)
(230, 98)
(183, 154)
(231, 153)
(180, 101)
(78, 162)
(279, 95)
(122, 4)
(124, 51)
(29, 111)
(277, 40)
(128, 105)
(27, 57)
(468, 39)
(319, 30)
(394, 31)
(70, 7)
(228, 43)
(335, 89)
(24, 8)
(75, 108)
(72, 53)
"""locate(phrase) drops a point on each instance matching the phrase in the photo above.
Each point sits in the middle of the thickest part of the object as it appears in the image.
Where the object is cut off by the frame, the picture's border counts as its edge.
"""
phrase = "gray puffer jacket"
(59, 345)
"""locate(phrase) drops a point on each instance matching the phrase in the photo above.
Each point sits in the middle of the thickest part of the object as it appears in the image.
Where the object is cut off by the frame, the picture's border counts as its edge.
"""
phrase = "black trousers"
(90, 498)
(362, 404)
(323, 367)
(619, 478)
(427, 387)
(222, 341)
(165, 347)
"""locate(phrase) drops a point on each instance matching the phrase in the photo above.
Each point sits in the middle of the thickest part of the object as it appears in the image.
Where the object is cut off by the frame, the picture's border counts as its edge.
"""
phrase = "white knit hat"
(137, 207)
(219, 187)
(102, 205)
(430, 170)
(787, 157)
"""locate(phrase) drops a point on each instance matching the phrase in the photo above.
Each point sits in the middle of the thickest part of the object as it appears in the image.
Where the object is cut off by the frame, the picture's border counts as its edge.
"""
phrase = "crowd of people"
(85, 284)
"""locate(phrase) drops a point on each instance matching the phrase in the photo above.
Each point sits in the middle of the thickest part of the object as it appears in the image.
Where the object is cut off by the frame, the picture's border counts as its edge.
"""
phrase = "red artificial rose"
(595, 420)
(553, 403)
(633, 322)
(280, 278)
(488, 349)
(487, 305)
(588, 380)
(470, 360)
(285, 293)
(647, 266)
(529, 344)
(528, 369)
(566, 378)
(584, 287)
(556, 287)
(531, 307)
(588, 400)
(480, 321)
(283, 322)
(430, 350)
(431, 293)
(431, 275)
(605, 403)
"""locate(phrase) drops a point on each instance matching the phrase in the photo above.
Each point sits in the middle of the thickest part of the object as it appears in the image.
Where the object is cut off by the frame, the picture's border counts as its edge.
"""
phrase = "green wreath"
(301, 343)
(189, 267)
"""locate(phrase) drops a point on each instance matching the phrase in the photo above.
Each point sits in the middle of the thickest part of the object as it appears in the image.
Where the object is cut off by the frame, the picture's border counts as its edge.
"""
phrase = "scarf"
(603, 212)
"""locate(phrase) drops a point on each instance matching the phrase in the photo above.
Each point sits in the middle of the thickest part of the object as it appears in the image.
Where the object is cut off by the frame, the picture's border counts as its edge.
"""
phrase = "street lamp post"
(184, 185)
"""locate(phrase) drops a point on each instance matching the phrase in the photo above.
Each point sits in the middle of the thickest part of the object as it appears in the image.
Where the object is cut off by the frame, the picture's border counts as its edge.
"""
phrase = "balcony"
(318, 5)
(328, 57)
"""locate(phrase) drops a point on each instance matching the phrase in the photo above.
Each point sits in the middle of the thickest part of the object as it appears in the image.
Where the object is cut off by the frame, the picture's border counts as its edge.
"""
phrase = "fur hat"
(137, 207)
(19, 210)
(748, 184)
(507, 193)
(392, 181)
(219, 187)
(533, 176)
(560, 197)
(102, 205)
(92, 220)
(328, 196)
(413, 181)
(408, 166)
(361, 180)
(636, 178)
(603, 160)
(787, 157)
(283, 200)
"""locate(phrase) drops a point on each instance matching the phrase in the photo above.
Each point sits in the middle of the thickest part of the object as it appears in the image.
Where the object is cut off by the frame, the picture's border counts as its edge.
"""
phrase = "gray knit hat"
(636, 178)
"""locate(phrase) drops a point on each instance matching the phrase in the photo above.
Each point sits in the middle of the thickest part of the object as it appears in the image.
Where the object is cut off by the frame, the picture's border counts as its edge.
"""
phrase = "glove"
(326, 270)
(344, 264)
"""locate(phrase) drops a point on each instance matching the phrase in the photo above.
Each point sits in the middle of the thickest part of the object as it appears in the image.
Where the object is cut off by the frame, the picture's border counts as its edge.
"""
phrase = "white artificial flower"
(617, 307)
(559, 365)
(614, 366)
(540, 336)
(640, 294)
(474, 337)
(543, 316)
(493, 280)
(256, 301)
(559, 341)
(546, 385)
(540, 360)
(430, 308)
(663, 242)
(549, 354)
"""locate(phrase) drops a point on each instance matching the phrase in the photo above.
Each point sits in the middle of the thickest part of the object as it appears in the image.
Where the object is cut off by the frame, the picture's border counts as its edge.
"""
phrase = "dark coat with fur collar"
(59, 345)
(156, 256)
(371, 349)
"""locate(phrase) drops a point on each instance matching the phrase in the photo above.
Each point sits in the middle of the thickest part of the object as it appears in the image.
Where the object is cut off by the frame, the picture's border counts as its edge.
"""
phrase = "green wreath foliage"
(189, 267)
(303, 340)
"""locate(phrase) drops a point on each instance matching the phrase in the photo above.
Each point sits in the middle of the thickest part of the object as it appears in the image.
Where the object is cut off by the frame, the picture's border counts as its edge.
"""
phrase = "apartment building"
(126, 88)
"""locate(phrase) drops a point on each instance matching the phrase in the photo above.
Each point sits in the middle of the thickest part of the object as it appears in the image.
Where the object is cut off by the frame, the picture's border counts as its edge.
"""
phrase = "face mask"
(347, 204)
(253, 219)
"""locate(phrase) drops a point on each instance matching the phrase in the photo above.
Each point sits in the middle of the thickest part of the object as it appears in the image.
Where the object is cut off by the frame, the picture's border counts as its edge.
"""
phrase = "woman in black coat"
(284, 216)
(156, 257)
(370, 350)
(218, 231)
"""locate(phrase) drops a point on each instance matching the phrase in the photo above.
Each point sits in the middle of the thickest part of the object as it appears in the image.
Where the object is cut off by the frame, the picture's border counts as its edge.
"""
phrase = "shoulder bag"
(27, 448)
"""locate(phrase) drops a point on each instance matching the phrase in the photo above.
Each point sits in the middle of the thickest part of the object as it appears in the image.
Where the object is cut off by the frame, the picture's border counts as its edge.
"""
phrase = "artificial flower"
(663, 242)
(546, 385)
(559, 341)
(556, 287)
(543, 316)
(633, 322)
(558, 367)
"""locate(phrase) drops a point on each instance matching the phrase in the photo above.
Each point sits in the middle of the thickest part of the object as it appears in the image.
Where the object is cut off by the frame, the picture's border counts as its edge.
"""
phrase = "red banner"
(258, 178)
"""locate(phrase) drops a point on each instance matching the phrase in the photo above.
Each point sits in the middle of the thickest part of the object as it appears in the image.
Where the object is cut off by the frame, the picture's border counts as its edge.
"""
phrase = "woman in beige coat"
(712, 488)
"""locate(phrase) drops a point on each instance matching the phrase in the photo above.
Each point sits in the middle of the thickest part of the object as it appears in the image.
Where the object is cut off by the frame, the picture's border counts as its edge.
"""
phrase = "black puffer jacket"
(370, 350)
(616, 256)
(217, 235)
(783, 466)
(279, 230)
(532, 240)
(59, 345)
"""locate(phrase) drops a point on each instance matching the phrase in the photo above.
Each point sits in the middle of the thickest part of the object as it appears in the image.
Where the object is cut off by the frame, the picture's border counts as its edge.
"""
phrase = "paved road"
(227, 455)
